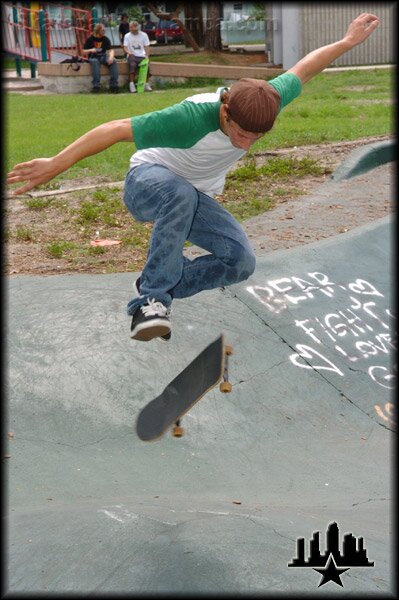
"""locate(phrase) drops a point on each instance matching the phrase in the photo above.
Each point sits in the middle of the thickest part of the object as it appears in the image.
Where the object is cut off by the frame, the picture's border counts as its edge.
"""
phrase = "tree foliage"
(257, 12)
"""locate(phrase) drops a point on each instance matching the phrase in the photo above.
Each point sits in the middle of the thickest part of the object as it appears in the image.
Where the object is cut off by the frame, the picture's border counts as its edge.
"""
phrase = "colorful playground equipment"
(29, 34)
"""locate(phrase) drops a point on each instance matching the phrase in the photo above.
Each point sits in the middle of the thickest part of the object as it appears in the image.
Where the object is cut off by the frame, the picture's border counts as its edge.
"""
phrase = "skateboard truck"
(225, 387)
(177, 430)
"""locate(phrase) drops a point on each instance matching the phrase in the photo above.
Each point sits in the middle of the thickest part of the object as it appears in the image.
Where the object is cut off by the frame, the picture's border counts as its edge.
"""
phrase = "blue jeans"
(96, 63)
(180, 212)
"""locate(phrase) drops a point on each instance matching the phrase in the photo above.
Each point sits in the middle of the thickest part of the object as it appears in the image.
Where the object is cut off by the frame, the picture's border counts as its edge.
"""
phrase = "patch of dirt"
(238, 58)
(327, 155)
(232, 58)
(52, 237)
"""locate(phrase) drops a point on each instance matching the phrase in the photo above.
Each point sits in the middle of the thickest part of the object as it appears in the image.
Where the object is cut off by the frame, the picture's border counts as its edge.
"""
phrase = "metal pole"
(18, 62)
(94, 15)
(43, 41)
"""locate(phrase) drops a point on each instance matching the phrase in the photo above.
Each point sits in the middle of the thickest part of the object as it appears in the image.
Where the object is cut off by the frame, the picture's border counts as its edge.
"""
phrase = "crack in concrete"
(284, 536)
(259, 373)
(93, 443)
(370, 500)
(234, 296)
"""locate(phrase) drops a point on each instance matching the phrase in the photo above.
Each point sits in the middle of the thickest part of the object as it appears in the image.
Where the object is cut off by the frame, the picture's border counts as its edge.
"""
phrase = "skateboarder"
(136, 44)
(183, 155)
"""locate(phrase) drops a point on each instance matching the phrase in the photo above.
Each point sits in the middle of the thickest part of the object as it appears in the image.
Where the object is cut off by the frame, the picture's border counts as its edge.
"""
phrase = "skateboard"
(142, 78)
(166, 410)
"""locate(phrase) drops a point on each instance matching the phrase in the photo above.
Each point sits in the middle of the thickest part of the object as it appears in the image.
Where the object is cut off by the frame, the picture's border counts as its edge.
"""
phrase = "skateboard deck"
(142, 78)
(198, 378)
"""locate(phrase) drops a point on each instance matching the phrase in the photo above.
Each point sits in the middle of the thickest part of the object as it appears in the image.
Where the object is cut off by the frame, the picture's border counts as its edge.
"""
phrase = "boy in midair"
(183, 155)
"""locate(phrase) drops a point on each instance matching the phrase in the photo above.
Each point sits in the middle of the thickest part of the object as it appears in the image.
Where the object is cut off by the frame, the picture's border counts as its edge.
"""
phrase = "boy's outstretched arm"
(41, 170)
(317, 60)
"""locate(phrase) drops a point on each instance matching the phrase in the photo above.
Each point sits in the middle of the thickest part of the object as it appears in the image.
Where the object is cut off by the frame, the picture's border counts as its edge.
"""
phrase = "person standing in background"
(123, 27)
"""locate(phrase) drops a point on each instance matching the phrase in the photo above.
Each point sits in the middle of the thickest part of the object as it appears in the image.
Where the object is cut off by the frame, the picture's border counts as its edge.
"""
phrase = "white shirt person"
(136, 45)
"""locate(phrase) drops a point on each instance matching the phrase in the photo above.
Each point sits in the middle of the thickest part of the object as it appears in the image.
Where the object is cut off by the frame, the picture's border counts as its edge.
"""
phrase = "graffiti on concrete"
(352, 327)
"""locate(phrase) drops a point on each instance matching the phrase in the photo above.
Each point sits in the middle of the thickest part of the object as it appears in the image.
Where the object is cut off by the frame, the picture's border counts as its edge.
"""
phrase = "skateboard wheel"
(228, 350)
(177, 431)
(226, 387)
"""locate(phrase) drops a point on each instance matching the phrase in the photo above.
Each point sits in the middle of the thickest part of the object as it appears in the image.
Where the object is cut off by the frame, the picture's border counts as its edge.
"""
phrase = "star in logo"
(330, 572)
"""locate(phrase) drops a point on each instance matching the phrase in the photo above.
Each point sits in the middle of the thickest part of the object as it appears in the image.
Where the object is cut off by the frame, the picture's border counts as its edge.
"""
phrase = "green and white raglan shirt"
(187, 138)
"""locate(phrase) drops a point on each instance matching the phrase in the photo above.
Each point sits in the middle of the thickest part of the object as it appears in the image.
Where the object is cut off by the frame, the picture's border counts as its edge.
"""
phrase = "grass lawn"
(56, 231)
(332, 107)
(9, 63)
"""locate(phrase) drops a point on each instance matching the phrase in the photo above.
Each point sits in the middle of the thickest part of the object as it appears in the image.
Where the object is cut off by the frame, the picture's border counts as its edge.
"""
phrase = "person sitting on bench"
(136, 44)
(98, 47)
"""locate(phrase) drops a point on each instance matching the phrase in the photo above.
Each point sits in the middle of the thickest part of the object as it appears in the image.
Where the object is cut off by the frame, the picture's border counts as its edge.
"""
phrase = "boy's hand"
(41, 170)
(360, 29)
(34, 172)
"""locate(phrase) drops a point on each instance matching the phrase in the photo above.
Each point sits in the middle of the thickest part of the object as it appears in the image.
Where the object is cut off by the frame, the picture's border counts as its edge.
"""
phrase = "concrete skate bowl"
(303, 440)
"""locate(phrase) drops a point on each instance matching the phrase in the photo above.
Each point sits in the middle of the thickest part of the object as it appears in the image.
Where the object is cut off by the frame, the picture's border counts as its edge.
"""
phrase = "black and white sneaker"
(136, 291)
(149, 321)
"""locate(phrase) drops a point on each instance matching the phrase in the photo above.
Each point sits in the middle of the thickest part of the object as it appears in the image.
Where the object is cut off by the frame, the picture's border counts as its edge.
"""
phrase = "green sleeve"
(288, 86)
(178, 126)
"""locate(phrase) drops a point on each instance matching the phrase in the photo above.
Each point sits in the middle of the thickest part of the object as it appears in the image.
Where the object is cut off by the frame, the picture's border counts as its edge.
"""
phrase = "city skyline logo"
(331, 564)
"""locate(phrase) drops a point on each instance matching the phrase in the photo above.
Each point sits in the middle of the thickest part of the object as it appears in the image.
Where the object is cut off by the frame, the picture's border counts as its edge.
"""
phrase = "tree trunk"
(188, 38)
(213, 39)
(194, 22)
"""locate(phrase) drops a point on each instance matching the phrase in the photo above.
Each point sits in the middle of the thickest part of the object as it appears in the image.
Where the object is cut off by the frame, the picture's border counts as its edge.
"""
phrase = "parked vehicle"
(149, 28)
(168, 32)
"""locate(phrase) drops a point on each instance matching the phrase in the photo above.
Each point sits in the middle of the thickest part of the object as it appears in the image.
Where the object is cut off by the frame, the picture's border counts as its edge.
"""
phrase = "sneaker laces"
(155, 308)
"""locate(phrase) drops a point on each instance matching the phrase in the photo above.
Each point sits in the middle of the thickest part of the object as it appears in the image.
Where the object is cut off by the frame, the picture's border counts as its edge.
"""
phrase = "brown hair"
(98, 29)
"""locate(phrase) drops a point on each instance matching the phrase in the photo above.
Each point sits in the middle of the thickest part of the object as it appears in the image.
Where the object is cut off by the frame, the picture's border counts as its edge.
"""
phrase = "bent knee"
(244, 261)
(248, 265)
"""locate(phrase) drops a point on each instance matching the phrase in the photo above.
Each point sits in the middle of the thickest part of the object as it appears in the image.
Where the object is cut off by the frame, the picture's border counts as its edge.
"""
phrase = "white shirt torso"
(136, 43)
